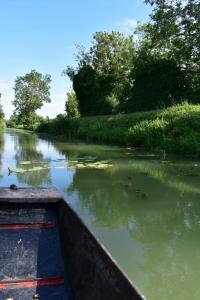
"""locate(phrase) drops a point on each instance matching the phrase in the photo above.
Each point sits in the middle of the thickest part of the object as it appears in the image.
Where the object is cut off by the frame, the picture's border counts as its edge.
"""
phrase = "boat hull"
(61, 255)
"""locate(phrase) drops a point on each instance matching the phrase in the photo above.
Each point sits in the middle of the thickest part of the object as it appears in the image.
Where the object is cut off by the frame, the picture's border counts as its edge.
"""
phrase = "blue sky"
(41, 35)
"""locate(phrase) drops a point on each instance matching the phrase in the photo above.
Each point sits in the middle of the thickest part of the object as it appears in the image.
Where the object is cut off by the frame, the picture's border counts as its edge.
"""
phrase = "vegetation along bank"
(174, 129)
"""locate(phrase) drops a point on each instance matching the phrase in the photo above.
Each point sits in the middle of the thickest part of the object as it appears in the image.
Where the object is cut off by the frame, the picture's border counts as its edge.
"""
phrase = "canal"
(143, 206)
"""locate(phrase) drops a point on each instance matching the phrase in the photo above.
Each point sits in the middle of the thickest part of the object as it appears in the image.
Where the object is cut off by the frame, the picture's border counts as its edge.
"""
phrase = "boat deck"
(30, 253)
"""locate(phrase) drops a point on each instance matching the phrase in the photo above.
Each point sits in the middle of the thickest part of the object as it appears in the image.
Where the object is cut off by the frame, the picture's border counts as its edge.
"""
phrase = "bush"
(174, 129)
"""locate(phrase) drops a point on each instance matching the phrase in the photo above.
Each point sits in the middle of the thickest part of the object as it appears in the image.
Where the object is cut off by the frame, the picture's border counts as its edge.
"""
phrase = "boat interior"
(31, 260)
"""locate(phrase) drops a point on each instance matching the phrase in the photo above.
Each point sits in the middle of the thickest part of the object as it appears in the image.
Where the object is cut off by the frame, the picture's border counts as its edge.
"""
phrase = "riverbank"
(175, 129)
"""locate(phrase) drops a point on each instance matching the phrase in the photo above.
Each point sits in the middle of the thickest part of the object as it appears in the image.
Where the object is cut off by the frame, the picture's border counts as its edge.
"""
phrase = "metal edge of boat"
(93, 274)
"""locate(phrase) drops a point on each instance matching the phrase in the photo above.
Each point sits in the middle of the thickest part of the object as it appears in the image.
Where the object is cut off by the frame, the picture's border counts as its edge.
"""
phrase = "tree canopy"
(158, 83)
(31, 91)
(174, 31)
(119, 75)
(101, 78)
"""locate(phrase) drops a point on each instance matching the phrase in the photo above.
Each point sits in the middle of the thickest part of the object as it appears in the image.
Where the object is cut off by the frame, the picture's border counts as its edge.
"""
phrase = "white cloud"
(127, 26)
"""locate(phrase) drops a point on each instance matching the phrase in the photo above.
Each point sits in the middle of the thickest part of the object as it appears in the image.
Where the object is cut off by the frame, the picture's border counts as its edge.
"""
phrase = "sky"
(41, 35)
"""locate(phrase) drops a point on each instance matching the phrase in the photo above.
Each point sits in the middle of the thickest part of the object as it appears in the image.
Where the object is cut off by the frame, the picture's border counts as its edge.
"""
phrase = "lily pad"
(25, 162)
(35, 169)
(98, 165)
(28, 162)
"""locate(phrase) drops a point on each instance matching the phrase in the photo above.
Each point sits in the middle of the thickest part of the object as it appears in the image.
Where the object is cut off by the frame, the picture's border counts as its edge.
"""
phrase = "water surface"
(144, 207)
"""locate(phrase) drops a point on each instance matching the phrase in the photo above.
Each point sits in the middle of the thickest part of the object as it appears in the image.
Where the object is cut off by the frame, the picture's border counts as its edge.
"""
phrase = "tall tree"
(101, 79)
(175, 31)
(31, 91)
(158, 83)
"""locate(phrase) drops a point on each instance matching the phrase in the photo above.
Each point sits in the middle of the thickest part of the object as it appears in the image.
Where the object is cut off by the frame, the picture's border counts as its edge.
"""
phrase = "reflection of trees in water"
(157, 204)
(2, 142)
(75, 151)
(164, 223)
(26, 150)
(168, 234)
(104, 195)
(116, 193)
(36, 178)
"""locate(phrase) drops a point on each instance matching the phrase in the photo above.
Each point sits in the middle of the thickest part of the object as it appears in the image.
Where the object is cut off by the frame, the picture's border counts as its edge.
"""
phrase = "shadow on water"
(2, 142)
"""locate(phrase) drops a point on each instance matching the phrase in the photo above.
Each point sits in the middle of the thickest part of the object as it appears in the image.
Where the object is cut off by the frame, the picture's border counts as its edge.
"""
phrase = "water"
(144, 207)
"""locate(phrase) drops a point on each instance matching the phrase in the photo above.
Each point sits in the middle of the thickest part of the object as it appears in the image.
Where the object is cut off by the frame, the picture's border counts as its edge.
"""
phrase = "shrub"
(174, 129)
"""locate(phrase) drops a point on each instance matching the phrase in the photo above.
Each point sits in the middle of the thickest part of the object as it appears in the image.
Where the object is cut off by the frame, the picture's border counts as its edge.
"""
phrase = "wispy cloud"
(127, 26)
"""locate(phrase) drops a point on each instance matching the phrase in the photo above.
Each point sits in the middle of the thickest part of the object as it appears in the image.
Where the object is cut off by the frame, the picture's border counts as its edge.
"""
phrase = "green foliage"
(31, 92)
(174, 129)
(32, 124)
(101, 79)
(71, 106)
(91, 90)
(57, 125)
(158, 83)
(117, 75)
(12, 122)
(175, 31)
(147, 134)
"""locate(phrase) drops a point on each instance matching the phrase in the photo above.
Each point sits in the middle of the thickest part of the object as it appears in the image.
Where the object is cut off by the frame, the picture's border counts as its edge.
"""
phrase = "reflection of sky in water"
(145, 209)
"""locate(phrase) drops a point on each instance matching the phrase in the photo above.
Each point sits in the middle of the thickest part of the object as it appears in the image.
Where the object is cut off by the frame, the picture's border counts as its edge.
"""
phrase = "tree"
(71, 106)
(158, 83)
(175, 30)
(91, 90)
(31, 92)
(101, 79)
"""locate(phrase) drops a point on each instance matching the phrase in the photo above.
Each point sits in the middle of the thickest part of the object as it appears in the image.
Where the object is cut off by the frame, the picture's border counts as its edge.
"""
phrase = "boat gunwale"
(30, 195)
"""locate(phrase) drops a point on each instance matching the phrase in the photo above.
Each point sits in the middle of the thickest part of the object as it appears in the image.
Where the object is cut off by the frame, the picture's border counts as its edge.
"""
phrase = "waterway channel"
(143, 206)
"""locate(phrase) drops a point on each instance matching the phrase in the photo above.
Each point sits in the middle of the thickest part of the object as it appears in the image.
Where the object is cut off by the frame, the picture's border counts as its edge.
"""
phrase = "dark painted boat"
(46, 249)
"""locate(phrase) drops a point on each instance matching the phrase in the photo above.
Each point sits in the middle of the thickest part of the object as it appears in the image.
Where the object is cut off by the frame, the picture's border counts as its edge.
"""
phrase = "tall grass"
(174, 129)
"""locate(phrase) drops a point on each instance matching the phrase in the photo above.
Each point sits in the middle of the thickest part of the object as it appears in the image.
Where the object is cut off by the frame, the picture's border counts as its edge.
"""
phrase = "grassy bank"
(175, 129)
